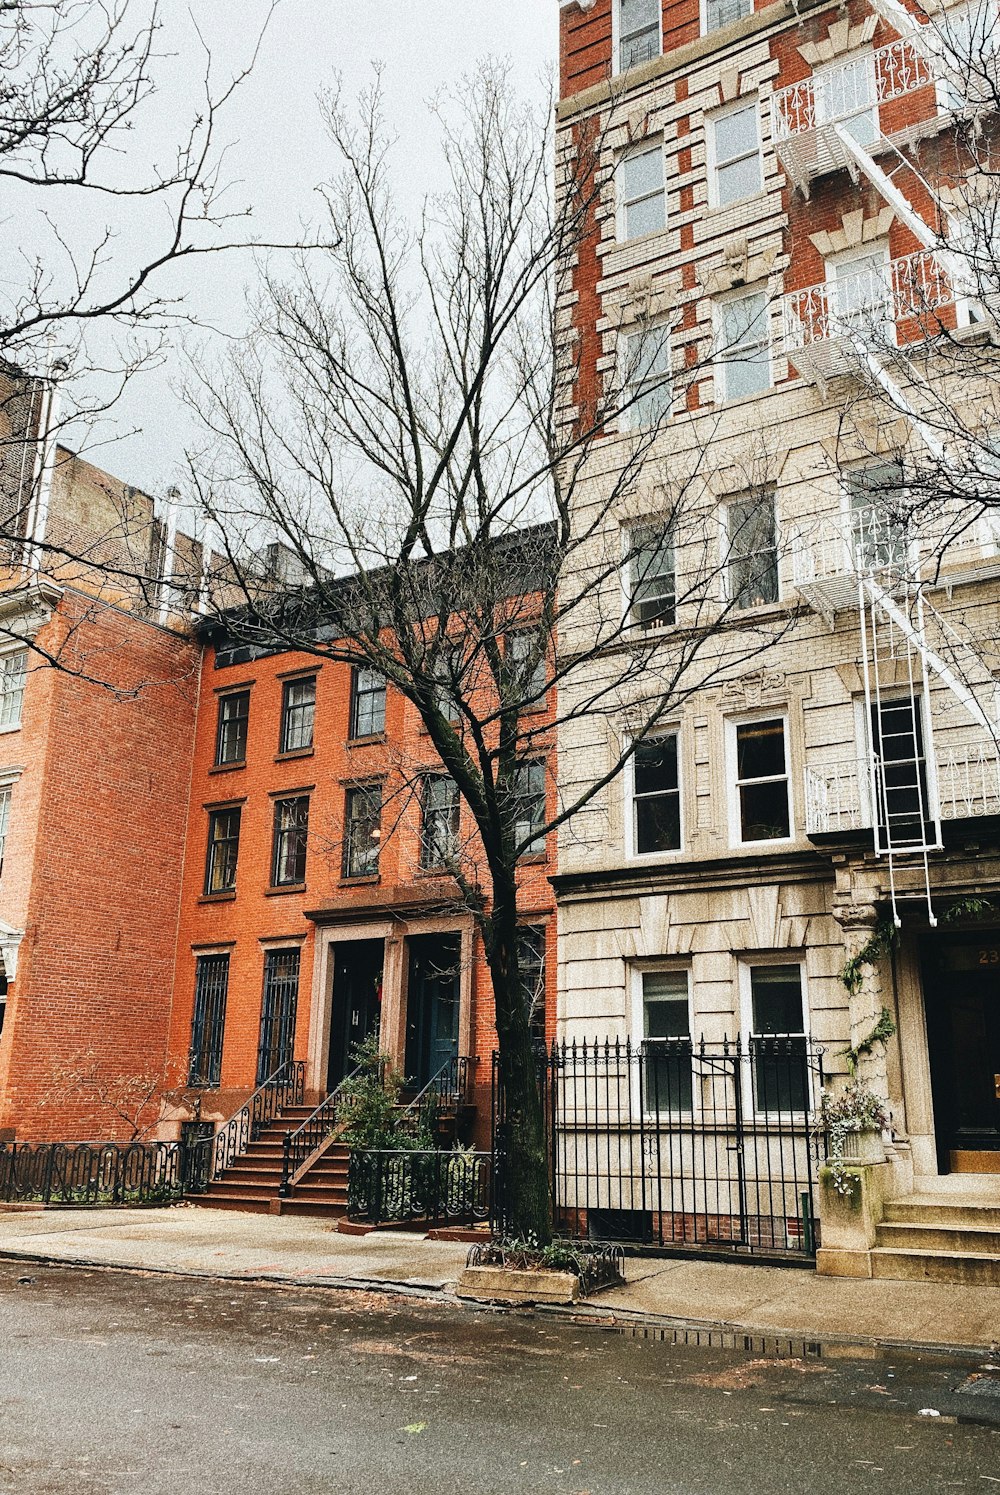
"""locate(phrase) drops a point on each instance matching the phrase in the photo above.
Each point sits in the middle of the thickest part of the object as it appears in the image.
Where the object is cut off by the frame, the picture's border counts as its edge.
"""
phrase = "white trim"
(745, 103)
(732, 785)
(10, 940)
(636, 969)
(617, 70)
(744, 963)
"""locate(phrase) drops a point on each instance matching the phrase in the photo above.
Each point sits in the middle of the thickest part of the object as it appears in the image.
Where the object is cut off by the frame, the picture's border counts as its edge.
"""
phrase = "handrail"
(450, 1086)
(285, 1087)
(298, 1145)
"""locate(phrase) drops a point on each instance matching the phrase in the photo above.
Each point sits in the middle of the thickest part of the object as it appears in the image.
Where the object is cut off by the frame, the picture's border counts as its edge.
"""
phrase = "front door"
(962, 996)
(357, 1002)
(432, 1002)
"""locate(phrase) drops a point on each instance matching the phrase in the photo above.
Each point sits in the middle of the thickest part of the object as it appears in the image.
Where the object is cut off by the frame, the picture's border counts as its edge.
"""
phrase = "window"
(529, 791)
(362, 830)
(972, 35)
(858, 289)
(735, 144)
(650, 580)
(276, 1044)
(446, 669)
(666, 1042)
(777, 1039)
(13, 674)
(641, 191)
(762, 781)
(656, 800)
(439, 821)
(521, 646)
(878, 532)
(531, 975)
(845, 92)
(4, 819)
(211, 983)
(367, 702)
(724, 12)
(223, 850)
(744, 345)
(752, 570)
(231, 735)
(298, 714)
(3, 1001)
(647, 395)
(291, 833)
(638, 27)
(902, 807)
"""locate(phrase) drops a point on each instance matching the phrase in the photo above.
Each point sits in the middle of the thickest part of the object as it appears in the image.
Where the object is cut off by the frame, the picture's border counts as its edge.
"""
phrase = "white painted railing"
(839, 795)
(873, 299)
(879, 540)
(859, 86)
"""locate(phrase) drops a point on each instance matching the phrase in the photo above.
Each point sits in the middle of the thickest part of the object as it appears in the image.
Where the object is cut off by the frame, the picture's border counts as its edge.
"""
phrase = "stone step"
(222, 1188)
(231, 1202)
(925, 1211)
(977, 1240)
(330, 1211)
(935, 1266)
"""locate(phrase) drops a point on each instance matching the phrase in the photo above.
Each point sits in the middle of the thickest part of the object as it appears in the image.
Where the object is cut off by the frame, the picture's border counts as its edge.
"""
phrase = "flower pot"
(862, 1147)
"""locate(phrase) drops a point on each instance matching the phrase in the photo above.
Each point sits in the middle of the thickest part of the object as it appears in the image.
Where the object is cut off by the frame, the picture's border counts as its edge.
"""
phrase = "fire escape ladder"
(906, 814)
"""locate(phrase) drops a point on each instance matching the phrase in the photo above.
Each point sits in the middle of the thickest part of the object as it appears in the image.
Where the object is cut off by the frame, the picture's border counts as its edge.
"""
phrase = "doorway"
(962, 999)
(432, 1005)
(356, 1008)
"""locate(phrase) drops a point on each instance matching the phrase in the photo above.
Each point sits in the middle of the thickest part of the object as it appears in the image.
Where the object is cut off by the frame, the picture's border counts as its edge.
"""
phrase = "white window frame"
(857, 255)
(616, 37)
(628, 594)
(9, 653)
(721, 393)
(724, 541)
(745, 962)
(636, 971)
(623, 204)
(732, 783)
(630, 389)
(668, 730)
(839, 65)
(746, 10)
(741, 105)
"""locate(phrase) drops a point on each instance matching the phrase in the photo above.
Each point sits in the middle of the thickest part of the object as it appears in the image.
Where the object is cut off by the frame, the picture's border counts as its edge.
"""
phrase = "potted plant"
(853, 1123)
(522, 1271)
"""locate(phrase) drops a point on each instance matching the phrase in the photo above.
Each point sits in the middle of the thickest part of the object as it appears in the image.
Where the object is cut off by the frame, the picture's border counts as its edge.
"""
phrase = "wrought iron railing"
(682, 1143)
(871, 299)
(212, 1155)
(858, 87)
(92, 1173)
(436, 1188)
(444, 1093)
(317, 1127)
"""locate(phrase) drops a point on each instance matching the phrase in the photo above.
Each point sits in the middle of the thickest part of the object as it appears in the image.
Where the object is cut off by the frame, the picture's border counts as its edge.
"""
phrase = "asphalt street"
(116, 1383)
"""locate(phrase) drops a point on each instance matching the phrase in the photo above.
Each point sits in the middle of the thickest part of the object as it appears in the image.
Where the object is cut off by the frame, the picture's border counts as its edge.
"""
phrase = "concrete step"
(231, 1202)
(330, 1211)
(917, 1210)
(935, 1266)
(975, 1239)
(223, 1188)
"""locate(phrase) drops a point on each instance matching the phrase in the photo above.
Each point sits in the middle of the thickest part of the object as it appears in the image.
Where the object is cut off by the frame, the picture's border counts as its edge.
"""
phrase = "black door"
(432, 1003)
(962, 997)
(357, 1002)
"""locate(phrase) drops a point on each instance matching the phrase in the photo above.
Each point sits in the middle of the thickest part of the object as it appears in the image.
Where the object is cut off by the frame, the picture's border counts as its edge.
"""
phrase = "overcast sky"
(279, 151)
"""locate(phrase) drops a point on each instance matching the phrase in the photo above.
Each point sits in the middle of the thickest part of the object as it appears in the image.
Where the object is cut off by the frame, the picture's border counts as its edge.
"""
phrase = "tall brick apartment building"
(775, 234)
(95, 760)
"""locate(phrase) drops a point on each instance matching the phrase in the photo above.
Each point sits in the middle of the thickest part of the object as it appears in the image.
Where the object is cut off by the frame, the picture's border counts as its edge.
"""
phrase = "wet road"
(114, 1384)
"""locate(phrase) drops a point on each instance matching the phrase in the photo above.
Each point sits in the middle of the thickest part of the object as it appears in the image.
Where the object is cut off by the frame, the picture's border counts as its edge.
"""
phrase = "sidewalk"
(730, 1295)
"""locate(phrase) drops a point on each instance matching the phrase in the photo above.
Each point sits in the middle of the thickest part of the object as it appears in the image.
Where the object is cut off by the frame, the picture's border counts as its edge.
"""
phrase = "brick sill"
(355, 882)
(218, 897)
(290, 887)
(228, 767)
(294, 753)
(359, 742)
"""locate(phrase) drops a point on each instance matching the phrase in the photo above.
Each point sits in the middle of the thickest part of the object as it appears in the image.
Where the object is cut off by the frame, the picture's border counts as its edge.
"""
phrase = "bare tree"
(439, 486)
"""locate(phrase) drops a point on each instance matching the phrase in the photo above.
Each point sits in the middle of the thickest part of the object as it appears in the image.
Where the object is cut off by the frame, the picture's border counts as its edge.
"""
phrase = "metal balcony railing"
(840, 796)
(854, 94)
(820, 321)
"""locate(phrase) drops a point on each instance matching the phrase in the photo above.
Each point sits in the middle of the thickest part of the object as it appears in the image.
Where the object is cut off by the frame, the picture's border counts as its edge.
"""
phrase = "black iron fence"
(209, 1156)
(100, 1173)
(436, 1188)
(682, 1143)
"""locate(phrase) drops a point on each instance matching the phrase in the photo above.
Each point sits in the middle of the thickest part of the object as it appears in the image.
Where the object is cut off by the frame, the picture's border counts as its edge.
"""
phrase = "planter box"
(509, 1285)
(863, 1147)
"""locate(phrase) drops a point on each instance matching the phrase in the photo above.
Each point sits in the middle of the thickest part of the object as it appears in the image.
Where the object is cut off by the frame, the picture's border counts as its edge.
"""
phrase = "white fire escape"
(847, 117)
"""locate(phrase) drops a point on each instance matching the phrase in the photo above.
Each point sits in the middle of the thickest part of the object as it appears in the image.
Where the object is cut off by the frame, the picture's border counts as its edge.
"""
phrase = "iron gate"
(677, 1143)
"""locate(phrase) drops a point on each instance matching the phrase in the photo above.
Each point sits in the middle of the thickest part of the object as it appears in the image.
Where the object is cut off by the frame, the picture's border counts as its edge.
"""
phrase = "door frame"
(932, 1009)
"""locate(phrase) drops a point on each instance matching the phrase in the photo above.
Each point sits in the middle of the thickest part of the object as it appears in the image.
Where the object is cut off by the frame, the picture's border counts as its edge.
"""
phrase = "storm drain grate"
(769, 1347)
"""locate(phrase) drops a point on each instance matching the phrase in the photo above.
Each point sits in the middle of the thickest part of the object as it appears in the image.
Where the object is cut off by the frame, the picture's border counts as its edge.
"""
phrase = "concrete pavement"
(303, 1251)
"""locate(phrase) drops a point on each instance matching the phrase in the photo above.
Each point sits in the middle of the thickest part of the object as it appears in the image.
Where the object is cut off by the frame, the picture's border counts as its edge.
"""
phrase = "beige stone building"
(772, 286)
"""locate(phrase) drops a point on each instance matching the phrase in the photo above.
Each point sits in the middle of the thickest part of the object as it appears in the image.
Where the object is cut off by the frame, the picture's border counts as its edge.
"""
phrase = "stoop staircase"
(928, 1237)
(252, 1180)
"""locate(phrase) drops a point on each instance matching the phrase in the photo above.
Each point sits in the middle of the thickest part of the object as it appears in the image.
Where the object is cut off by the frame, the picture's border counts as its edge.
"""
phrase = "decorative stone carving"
(738, 268)
(841, 38)
(755, 688)
(854, 231)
